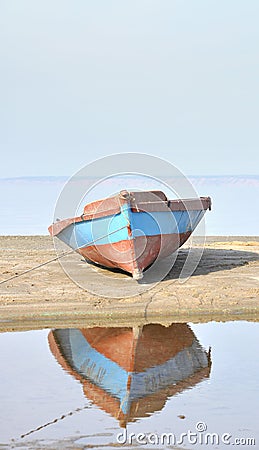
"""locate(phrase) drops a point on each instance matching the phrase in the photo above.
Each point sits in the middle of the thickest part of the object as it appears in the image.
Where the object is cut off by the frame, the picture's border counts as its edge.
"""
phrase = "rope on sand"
(60, 256)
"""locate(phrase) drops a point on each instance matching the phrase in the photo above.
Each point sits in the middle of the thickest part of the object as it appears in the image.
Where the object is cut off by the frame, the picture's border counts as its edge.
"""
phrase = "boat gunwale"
(189, 204)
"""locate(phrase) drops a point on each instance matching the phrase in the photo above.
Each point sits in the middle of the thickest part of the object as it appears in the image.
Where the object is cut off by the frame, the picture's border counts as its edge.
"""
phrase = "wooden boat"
(131, 230)
(131, 372)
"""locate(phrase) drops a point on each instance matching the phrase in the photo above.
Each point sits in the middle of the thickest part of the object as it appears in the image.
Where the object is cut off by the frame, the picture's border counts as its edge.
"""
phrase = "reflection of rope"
(54, 421)
(60, 256)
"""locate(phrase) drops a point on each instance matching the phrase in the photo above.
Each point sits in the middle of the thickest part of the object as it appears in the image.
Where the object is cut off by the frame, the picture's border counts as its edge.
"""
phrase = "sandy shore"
(225, 286)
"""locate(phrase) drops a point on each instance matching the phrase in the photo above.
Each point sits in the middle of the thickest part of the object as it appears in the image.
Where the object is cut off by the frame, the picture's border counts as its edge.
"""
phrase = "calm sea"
(28, 204)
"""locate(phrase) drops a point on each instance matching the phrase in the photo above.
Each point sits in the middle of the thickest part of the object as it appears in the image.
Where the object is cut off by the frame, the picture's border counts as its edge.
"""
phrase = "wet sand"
(225, 286)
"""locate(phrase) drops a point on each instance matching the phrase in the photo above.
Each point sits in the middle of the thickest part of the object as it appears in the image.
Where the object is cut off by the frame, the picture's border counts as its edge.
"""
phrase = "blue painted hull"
(103, 231)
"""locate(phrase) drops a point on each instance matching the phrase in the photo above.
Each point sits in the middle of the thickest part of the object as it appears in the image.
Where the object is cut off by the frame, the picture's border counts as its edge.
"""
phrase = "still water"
(152, 386)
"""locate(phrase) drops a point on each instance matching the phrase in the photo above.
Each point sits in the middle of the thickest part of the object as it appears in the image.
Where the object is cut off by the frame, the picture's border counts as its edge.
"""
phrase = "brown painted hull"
(136, 255)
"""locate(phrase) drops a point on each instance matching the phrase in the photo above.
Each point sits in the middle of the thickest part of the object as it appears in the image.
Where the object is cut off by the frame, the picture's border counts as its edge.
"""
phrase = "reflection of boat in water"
(130, 372)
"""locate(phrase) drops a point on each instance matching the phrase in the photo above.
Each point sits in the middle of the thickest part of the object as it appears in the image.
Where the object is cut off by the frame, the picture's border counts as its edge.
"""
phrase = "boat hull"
(136, 256)
(134, 234)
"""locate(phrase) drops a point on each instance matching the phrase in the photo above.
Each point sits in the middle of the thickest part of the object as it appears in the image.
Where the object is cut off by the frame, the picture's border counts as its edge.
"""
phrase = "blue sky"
(172, 78)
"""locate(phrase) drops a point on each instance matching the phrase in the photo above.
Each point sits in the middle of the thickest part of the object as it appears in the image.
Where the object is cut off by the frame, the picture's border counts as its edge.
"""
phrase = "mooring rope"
(60, 256)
